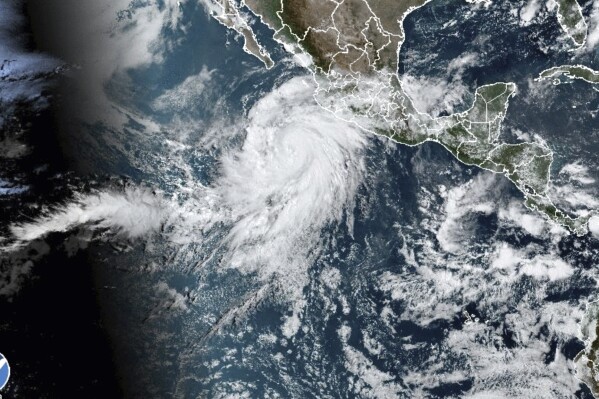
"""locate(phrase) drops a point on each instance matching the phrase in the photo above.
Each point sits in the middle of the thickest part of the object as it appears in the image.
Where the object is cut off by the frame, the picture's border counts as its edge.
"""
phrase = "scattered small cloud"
(186, 95)
(578, 172)
(530, 11)
(434, 95)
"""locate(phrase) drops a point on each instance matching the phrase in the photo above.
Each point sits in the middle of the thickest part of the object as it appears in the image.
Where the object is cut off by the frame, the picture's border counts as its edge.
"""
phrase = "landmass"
(587, 363)
(570, 71)
(229, 14)
(353, 49)
(569, 16)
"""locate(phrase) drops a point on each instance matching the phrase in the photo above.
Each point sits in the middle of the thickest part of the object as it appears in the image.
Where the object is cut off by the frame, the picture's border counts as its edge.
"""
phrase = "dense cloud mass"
(297, 170)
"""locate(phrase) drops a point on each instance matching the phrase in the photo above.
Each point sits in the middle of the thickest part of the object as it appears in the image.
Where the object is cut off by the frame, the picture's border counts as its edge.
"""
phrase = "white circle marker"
(4, 371)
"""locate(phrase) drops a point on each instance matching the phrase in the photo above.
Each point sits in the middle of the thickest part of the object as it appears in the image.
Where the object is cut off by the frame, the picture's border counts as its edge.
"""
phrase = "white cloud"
(16, 267)
(520, 371)
(298, 169)
(461, 201)
(577, 172)
(23, 73)
(434, 95)
(463, 271)
(186, 95)
(371, 382)
(507, 258)
(530, 222)
(593, 27)
(132, 213)
(171, 299)
(523, 261)
(496, 369)
(546, 266)
(594, 226)
(458, 65)
(485, 3)
(291, 325)
(574, 198)
(104, 47)
(529, 11)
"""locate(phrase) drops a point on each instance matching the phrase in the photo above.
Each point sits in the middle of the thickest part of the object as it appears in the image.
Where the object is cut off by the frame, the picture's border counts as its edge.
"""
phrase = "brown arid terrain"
(354, 48)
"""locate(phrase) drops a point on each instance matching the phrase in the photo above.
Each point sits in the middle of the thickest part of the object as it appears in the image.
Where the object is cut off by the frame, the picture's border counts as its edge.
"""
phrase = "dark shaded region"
(453, 389)
(42, 170)
(52, 334)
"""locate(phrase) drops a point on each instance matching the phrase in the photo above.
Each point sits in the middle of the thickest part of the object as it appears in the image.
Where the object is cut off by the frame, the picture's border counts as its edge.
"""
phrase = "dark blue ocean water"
(311, 365)
(214, 347)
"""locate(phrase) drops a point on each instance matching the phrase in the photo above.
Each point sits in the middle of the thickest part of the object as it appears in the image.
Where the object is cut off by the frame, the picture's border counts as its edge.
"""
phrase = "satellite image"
(299, 199)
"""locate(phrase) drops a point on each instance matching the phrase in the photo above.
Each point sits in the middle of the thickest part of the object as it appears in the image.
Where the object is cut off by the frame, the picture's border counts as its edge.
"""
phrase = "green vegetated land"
(355, 45)
(571, 71)
(587, 362)
(572, 20)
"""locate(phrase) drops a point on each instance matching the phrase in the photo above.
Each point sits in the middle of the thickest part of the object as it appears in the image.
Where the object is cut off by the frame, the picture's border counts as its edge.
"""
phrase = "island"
(570, 71)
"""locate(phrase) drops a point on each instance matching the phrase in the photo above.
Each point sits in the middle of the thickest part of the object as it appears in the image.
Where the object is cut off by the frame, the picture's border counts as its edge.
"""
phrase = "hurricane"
(297, 170)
